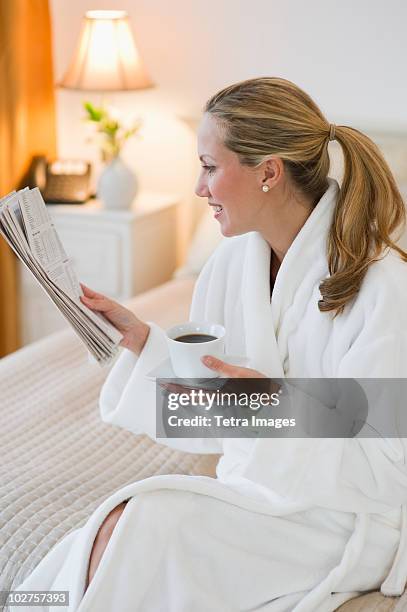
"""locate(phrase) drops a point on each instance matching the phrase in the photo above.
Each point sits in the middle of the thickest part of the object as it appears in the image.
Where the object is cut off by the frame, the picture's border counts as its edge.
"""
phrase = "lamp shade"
(106, 56)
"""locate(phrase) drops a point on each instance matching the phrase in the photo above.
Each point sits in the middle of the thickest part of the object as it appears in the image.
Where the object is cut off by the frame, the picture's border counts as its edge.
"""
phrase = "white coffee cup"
(186, 356)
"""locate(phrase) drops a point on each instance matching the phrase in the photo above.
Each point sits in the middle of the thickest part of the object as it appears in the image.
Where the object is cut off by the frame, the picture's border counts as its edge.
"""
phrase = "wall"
(349, 55)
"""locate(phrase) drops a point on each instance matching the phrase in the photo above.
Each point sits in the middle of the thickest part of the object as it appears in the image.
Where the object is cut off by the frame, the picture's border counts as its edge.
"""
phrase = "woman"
(289, 524)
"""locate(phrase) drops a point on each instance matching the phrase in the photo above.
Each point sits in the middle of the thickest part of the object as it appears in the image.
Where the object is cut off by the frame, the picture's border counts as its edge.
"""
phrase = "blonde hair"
(270, 116)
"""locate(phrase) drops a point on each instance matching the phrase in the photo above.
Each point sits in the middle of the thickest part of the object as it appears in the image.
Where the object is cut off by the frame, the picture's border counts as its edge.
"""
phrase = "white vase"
(117, 185)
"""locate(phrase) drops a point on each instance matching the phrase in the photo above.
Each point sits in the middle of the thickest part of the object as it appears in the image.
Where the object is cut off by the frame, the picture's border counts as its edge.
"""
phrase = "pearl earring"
(266, 188)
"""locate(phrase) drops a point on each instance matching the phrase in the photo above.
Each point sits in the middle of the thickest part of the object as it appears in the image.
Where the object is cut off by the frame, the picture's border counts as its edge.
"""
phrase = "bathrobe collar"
(263, 320)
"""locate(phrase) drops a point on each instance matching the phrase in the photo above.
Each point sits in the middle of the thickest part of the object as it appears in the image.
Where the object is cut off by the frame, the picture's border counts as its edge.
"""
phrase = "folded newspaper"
(29, 230)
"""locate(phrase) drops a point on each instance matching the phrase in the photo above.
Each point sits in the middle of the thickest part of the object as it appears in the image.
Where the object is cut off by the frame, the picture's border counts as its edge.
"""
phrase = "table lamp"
(105, 60)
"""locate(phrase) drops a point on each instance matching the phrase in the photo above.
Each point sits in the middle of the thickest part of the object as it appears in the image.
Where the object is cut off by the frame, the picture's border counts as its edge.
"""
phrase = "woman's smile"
(218, 209)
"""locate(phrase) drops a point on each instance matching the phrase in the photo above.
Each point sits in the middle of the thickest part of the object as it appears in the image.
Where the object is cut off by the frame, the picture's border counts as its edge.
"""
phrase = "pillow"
(206, 238)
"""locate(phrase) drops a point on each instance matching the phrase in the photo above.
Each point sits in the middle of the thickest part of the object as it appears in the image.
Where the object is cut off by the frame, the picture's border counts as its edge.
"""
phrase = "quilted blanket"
(59, 461)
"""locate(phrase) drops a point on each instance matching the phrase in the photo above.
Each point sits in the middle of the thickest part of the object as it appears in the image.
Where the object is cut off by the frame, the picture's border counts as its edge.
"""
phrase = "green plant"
(113, 134)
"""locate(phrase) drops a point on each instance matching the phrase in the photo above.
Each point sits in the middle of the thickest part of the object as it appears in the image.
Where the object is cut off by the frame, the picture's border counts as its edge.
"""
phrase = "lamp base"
(117, 185)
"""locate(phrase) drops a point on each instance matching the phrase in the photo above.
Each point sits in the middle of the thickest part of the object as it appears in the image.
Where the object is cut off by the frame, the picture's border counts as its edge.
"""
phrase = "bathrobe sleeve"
(128, 396)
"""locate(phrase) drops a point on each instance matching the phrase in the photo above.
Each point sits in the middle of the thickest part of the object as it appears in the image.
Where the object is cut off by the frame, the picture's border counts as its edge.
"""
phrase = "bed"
(60, 461)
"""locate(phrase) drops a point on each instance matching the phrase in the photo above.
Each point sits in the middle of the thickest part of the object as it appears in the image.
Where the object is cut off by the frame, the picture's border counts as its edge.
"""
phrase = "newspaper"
(27, 227)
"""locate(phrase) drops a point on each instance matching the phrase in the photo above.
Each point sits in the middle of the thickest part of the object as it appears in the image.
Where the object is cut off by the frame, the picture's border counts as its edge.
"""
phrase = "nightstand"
(118, 253)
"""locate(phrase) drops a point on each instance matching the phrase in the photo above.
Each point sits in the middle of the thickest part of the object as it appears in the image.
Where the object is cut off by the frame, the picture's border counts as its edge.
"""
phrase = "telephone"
(60, 181)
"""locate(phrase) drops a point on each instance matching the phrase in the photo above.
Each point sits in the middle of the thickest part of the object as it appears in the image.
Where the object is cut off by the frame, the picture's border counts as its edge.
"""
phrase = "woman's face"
(227, 184)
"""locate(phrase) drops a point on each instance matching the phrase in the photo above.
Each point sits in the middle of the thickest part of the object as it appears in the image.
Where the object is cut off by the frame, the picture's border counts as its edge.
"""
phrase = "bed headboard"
(394, 148)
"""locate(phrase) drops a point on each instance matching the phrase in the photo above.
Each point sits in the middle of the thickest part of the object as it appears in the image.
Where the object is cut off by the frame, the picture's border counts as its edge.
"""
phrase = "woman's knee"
(106, 528)
(102, 538)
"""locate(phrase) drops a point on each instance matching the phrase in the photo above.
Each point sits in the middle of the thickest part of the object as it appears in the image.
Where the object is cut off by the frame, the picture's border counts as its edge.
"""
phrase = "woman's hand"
(229, 371)
(224, 369)
(134, 331)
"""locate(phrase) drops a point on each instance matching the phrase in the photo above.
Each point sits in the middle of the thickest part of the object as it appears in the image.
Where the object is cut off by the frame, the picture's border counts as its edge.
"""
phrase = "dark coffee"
(195, 337)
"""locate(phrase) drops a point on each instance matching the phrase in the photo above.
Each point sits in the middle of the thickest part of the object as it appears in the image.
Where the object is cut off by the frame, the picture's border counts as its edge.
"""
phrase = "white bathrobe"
(289, 524)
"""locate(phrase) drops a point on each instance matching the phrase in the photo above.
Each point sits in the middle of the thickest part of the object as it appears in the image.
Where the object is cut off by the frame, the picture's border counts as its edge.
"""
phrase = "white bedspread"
(59, 461)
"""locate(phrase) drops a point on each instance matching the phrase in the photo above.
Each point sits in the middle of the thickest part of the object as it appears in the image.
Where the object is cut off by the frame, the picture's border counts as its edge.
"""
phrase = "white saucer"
(164, 370)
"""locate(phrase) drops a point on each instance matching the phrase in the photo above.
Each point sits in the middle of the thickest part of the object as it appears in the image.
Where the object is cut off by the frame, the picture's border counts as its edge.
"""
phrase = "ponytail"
(369, 210)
